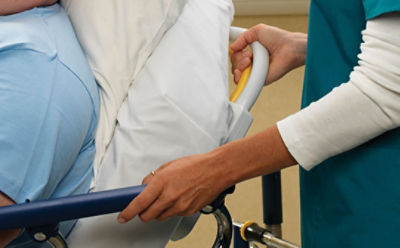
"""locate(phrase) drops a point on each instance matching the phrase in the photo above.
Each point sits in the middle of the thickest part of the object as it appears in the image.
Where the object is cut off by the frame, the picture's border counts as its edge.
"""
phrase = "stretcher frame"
(41, 219)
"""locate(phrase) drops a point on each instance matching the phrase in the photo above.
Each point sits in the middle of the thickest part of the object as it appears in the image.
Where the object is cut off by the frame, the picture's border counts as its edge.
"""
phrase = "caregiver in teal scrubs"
(347, 142)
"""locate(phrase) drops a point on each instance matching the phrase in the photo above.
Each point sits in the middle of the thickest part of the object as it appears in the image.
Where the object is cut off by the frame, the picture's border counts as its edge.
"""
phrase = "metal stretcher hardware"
(250, 231)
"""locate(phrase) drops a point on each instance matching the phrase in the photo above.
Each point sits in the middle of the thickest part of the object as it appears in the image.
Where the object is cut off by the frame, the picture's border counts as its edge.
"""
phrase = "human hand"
(8, 7)
(287, 50)
(178, 188)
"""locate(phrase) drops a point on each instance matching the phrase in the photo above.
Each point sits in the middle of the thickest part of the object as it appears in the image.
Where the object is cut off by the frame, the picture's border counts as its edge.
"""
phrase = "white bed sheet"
(117, 37)
(177, 106)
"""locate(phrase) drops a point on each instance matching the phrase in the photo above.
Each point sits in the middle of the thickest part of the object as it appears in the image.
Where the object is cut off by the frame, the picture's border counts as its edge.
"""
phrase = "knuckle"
(259, 27)
(242, 36)
(244, 63)
(147, 178)
(170, 197)
(182, 207)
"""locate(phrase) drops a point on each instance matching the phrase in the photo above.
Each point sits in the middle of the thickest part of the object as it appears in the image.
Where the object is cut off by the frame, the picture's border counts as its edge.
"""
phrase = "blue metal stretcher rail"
(48, 212)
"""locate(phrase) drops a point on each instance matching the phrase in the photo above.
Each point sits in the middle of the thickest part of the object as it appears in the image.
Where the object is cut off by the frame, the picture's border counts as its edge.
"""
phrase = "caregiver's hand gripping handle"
(287, 50)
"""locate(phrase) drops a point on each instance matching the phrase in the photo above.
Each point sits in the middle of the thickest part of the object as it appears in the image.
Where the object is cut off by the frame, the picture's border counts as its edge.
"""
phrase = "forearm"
(356, 111)
(256, 155)
(8, 7)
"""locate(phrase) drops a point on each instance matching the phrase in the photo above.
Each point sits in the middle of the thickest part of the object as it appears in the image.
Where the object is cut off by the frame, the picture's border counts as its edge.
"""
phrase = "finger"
(238, 57)
(141, 202)
(168, 213)
(235, 58)
(155, 210)
(179, 208)
(147, 179)
(182, 208)
(236, 74)
(243, 64)
(241, 67)
(245, 39)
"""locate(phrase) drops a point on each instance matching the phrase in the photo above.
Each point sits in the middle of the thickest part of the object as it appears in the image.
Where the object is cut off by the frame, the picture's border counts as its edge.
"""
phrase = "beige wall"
(276, 102)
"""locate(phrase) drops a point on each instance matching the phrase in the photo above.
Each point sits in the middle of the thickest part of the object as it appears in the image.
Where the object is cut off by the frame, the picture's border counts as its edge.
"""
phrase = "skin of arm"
(184, 186)
(7, 236)
(8, 7)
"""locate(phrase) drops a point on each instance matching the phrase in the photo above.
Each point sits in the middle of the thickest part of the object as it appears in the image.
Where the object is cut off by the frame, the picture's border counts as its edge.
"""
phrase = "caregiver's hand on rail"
(186, 185)
(287, 50)
(8, 7)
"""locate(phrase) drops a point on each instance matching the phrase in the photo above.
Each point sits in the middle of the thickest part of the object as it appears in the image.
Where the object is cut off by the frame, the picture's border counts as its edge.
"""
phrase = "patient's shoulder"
(26, 30)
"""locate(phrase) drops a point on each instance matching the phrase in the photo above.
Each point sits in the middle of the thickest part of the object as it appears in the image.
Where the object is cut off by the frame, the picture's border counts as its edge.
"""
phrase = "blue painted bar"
(53, 211)
(238, 242)
(272, 198)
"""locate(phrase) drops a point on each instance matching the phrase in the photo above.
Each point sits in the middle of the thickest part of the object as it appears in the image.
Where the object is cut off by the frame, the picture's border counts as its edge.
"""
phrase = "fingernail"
(121, 220)
(246, 54)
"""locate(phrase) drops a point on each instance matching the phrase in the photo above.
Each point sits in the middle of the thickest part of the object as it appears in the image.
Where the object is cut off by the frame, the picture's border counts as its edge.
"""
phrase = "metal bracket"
(47, 233)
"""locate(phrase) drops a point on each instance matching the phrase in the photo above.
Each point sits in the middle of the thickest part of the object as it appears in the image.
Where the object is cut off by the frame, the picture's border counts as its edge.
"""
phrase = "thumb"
(245, 39)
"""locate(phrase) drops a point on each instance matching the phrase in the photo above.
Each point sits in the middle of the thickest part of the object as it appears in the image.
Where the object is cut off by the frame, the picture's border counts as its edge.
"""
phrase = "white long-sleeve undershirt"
(357, 111)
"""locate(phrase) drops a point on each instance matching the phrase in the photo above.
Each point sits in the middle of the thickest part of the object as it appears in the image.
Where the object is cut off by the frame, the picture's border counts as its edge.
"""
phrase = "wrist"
(235, 161)
(222, 165)
(298, 46)
(256, 155)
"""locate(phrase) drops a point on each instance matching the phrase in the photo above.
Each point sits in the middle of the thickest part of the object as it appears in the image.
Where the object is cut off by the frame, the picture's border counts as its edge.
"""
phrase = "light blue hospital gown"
(48, 108)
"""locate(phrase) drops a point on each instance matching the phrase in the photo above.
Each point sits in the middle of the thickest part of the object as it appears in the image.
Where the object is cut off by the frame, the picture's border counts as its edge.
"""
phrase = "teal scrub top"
(352, 199)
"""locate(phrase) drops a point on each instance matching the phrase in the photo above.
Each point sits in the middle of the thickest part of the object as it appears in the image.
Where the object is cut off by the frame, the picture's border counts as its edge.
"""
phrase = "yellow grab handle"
(241, 84)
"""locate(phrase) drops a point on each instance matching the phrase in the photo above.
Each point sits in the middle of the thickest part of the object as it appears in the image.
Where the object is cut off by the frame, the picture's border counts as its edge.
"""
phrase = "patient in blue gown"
(49, 107)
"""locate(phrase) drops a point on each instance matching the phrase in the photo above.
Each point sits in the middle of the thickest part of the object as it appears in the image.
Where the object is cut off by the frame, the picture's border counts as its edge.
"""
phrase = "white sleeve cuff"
(336, 123)
(357, 111)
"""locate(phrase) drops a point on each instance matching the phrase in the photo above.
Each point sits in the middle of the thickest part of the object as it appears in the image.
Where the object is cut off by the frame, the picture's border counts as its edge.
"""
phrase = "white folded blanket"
(177, 105)
(118, 36)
